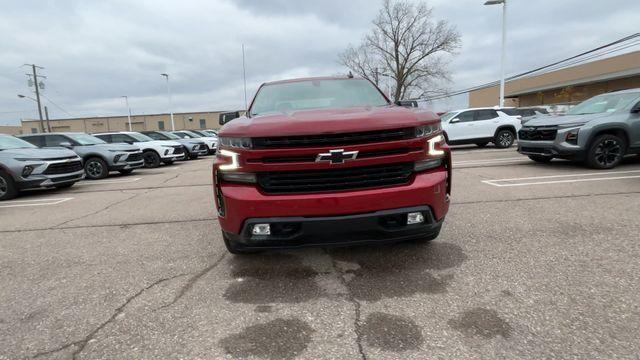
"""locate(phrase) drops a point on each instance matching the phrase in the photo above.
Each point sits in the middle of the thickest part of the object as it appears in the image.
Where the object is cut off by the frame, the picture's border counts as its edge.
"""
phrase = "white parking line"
(490, 161)
(100, 182)
(612, 175)
(35, 202)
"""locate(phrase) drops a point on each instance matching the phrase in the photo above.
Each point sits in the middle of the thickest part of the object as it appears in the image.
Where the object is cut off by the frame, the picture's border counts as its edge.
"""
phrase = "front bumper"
(369, 228)
(243, 202)
(47, 181)
(550, 149)
(127, 166)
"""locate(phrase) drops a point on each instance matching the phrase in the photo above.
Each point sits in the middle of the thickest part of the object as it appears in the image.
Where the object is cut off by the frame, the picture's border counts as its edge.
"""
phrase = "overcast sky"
(94, 52)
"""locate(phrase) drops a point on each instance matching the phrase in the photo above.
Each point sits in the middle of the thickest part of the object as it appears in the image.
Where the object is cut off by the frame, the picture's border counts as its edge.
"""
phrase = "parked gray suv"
(99, 157)
(24, 166)
(599, 131)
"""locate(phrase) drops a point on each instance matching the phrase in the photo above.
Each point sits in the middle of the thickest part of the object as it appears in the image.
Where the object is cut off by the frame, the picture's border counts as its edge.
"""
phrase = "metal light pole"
(504, 41)
(126, 100)
(173, 126)
(45, 108)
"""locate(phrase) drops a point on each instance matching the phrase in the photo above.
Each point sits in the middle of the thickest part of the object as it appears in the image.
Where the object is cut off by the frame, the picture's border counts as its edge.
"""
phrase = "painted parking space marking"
(490, 161)
(560, 179)
(115, 181)
(35, 202)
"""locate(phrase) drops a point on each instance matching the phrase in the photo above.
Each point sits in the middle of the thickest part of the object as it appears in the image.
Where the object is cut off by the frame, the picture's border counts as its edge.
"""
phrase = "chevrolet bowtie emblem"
(338, 156)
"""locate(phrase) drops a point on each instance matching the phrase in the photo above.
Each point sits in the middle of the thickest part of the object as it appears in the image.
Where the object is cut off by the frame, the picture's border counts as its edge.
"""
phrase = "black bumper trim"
(551, 151)
(383, 226)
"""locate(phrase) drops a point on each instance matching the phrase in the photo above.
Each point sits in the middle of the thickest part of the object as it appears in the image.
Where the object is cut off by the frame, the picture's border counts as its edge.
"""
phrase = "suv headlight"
(426, 130)
(235, 142)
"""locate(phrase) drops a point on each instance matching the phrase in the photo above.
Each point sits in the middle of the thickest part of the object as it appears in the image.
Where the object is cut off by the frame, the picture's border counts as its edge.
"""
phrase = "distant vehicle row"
(61, 159)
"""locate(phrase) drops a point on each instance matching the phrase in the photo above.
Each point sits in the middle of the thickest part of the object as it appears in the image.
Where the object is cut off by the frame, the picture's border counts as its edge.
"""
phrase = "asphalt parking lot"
(534, 261)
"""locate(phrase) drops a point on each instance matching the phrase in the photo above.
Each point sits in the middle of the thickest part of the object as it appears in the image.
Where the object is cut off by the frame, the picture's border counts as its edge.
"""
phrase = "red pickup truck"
(329, 161)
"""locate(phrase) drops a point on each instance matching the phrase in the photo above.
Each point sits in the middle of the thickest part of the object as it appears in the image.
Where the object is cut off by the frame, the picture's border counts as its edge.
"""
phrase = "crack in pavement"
(191, 282)
(107, 225)
(101, 210)
(81, 344)
(357, 328)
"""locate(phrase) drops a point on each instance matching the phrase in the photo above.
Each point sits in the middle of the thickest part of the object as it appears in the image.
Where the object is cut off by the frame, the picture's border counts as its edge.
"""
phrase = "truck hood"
(39, 154)
(328, 121)
(160, 143)
(189, 141)
(563, 119)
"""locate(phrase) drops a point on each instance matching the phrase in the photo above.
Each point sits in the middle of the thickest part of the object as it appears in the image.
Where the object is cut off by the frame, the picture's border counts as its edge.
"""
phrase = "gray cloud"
(95, 52)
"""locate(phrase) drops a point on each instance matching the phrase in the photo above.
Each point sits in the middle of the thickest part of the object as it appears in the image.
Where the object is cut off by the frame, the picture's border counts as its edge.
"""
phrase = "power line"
(56, 105)
(554, 64)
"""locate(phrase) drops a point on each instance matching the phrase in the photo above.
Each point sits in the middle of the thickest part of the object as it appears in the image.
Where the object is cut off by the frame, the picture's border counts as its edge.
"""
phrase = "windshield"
(447, 116)
(140, 137)
(169, 136)
(510, 111)
(85, 139)
(187, 134)
(603, 104)
(9, 142)
(316, 94)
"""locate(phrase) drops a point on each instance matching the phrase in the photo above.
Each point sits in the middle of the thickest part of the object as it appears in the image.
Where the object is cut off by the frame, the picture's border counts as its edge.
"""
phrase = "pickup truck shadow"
(368, 273)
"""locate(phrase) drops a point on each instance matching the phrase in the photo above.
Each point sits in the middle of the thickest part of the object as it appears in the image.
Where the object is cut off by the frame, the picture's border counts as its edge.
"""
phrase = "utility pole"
(244, 78)
(35, 83)
(126, 99)
(173, 126)
(46, 115)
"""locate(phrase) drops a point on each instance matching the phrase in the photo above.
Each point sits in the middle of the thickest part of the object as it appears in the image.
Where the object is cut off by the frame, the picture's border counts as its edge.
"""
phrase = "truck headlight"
(434, 146)
(426, 130)
(233, 162)
(235, 142)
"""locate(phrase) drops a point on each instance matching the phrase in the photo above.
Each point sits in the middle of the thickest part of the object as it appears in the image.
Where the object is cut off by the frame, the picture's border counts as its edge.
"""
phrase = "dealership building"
(566, 86)
(186, 120)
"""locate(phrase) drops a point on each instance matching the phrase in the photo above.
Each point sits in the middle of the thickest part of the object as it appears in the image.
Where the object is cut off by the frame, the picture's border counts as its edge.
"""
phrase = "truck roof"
(312, 78)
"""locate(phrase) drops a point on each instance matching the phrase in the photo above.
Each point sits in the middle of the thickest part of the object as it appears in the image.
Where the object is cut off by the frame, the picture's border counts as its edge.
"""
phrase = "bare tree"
(407, 45)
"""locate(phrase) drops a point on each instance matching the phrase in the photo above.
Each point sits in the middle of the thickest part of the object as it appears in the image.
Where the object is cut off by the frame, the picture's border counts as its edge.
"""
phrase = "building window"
(160, 125)
(34, 130)
(203, 123)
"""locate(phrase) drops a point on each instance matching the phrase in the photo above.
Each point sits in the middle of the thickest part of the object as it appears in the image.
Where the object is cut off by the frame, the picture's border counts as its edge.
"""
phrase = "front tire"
(606, 152)
(95, 169)
(540, 159)
(504, 139)
(151, 159)
(8, 188)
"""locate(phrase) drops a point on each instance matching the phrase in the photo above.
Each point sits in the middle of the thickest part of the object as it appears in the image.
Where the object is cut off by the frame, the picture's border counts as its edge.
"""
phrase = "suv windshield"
(447, 116)
(85, 139)
(140, 137)
(316, 94)
(603, 103)
(168, 135)
(188, 134)
(9, 142)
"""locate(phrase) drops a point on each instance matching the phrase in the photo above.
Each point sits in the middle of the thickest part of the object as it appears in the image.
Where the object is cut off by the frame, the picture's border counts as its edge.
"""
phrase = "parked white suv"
(153, 151)
(480, 126)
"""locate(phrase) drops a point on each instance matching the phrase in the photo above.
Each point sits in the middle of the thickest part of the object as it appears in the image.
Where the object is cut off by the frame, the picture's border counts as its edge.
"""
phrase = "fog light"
(27, 170)
(415, 218)
(261, 229)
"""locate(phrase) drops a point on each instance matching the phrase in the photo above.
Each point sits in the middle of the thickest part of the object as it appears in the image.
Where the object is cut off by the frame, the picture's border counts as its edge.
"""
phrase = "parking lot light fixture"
(166, 76)
(504, 41)
(126, 99)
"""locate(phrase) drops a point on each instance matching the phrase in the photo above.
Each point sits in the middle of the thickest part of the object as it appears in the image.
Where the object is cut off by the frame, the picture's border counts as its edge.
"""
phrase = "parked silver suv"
(99, 157)
(24, 166)
(599, 131)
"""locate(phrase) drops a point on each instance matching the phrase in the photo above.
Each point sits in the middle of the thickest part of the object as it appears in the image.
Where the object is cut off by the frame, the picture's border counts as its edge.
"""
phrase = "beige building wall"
(10, 129)
(577, 83)
(195, 120)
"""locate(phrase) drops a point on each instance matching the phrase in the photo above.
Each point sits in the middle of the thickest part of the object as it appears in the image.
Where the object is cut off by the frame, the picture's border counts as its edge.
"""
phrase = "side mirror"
(66, 144)
(636, 108)
(454, 120)
(228, 116)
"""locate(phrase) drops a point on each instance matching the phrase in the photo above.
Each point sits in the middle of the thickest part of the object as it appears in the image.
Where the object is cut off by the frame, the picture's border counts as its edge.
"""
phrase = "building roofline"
(132, 115)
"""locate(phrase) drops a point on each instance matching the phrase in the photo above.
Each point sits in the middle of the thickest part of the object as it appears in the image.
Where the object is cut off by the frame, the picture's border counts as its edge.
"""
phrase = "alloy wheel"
(505, 139)
(608, 152)
(94, 169)
(4, 187)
